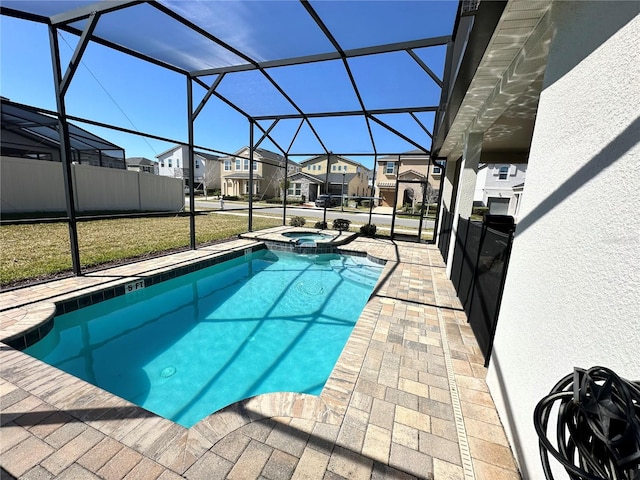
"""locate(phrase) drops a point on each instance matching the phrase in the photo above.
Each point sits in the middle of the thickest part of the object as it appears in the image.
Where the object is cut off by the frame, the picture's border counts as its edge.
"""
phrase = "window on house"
(197, 163)
(503, 172)
(308, 167)
(437, 170)
(257, 188)
(238, 164)
(295, 189)
(162, 163)
(246, 164)
(255, 166)
(227, 165)
(390, 168)
(169, 163)
(333, 168)
(177, 163)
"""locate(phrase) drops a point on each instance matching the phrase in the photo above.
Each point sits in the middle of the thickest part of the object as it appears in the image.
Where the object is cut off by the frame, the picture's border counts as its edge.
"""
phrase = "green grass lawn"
(41, 250)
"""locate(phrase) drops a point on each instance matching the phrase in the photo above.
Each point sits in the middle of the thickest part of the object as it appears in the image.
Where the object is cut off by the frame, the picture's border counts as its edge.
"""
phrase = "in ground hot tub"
(308, 238)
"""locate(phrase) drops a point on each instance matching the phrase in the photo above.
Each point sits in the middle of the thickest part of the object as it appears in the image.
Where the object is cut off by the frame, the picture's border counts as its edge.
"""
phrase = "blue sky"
(118, 89)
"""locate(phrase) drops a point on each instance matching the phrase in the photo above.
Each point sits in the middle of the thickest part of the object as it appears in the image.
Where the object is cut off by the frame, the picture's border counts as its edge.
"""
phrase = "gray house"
(141, 164)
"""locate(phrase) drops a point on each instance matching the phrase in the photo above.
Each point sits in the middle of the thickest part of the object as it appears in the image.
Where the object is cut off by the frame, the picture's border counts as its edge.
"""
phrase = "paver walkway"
(406, 399)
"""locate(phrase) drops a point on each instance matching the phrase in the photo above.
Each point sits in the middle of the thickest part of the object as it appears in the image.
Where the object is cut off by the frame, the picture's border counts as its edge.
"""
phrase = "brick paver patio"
(407, 398)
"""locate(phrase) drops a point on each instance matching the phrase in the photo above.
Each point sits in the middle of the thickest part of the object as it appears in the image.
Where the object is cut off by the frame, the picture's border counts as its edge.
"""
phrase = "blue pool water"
(187, 347)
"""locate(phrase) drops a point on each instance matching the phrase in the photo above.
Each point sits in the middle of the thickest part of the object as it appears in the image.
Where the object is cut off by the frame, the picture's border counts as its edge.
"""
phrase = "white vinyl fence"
(36, 186)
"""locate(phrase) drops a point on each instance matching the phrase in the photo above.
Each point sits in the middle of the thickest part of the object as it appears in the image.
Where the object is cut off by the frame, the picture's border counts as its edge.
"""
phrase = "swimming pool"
(187, 347)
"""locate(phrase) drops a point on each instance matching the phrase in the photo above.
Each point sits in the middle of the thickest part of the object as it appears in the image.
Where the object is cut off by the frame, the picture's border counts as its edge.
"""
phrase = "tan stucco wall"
(387, 193)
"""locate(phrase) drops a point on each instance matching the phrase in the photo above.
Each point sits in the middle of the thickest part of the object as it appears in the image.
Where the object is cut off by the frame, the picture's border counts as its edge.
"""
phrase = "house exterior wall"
(153, 169)
(491, 185)
(318, 165)
(271, 178)
(308, 190)
(386, 193)
(175, 163)
(357, 186)
(38, 186)
(267, 186)
(571, 293)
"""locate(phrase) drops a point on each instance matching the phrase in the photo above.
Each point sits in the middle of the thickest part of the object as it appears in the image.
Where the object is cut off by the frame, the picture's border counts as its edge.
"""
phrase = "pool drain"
(168, 372)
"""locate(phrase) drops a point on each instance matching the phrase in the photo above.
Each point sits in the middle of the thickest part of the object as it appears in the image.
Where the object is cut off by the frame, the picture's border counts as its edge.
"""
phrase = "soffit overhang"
(502, 98)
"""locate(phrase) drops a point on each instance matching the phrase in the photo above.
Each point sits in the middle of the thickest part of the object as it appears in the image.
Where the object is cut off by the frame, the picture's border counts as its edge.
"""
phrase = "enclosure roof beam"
(127, 51)
(349, 113)
(10, 12)
(399, 134)
(295, 136)
(424, 66)
(266, 134)
(426, 130)
(79, 51)
(323, 57)
(207, 96)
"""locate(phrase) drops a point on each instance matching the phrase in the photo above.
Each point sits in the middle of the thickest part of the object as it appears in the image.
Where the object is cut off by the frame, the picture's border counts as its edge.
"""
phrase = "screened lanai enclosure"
(28, 133)
(365, 82)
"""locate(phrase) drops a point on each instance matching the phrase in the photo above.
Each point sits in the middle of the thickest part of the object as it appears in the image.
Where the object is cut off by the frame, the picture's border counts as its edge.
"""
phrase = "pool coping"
(274, 239)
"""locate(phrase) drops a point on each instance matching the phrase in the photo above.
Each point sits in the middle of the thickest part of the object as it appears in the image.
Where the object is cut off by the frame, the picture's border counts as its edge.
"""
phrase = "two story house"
(413, 175)
(268, 173)
(499, 187)
(344, 176)
(175, 163)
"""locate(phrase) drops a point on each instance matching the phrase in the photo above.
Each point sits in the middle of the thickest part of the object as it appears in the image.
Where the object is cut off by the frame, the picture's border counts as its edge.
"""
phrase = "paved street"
(381, 220)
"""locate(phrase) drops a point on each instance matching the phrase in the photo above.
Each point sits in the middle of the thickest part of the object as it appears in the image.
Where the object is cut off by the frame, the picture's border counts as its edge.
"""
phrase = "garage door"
(498, 206)
(388, 196)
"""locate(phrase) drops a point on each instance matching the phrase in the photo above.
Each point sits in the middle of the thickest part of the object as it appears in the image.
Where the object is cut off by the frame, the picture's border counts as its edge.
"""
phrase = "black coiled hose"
(598, 426)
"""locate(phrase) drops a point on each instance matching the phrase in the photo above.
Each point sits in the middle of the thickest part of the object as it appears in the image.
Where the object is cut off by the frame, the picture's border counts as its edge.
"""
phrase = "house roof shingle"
(140, 161)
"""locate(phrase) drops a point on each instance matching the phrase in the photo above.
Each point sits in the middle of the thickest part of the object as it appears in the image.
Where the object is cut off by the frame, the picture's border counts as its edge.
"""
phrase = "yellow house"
(413, 175)
(333, 174)
(268, 173)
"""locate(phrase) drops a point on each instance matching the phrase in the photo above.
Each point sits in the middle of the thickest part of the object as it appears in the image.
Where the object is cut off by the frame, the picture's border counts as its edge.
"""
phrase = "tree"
(211, 168)
(431, 196)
